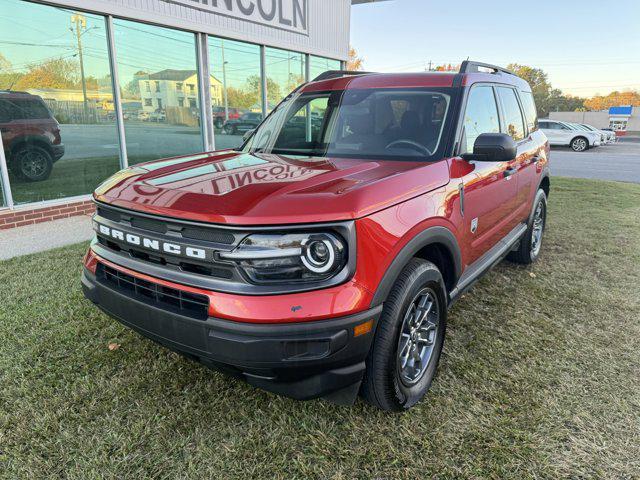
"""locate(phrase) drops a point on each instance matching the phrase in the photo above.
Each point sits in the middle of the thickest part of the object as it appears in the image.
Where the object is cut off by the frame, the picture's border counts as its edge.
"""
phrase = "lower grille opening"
(185, 303)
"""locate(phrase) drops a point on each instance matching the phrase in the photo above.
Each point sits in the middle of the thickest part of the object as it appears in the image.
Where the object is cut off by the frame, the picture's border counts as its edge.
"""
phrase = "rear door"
(519, 107)
(490, 188)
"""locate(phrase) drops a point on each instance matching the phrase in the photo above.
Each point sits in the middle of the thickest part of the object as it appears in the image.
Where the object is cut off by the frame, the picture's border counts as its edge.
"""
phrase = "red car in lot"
(220, 115)
(320, 261)
(30, 135)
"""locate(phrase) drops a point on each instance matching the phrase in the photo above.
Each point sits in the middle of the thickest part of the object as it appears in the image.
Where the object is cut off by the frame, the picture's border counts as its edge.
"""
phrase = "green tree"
(274, 93)
(559, 102)
(540, 86)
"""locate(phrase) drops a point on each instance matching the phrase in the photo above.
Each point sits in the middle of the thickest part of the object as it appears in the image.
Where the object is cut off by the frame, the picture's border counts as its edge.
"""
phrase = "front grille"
(174, 231)
(184, 303)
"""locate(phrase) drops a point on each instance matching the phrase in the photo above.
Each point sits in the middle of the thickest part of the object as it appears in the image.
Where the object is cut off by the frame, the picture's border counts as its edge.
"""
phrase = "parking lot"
(619, 161)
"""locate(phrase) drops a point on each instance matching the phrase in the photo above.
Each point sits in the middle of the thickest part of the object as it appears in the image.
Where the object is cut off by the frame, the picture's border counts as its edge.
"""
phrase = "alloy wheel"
(537, 229)
(418, 337)
(33, 164)
(579, 144)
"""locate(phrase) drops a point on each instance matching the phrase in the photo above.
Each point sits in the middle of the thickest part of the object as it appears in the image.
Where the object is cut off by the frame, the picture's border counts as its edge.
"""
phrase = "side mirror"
(247, 134)
(493, 147)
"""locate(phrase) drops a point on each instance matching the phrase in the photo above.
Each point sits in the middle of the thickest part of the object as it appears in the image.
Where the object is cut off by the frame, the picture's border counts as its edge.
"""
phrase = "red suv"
(321, 261)
(30, 135)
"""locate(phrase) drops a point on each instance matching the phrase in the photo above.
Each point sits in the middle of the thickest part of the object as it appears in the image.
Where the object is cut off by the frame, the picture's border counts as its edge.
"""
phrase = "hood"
(265, 189)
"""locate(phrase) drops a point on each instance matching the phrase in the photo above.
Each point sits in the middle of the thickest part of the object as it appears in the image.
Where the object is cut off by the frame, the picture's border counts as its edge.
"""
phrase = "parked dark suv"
(246, 122)
(321, 261)
(30, 135)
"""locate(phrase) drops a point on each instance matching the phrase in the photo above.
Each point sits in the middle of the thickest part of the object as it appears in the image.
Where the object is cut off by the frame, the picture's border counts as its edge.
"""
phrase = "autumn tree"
(614, 99)
(58, 74)
(354, 62)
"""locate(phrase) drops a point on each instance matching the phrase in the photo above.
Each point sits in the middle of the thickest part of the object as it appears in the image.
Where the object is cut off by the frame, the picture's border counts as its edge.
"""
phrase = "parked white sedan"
(565, 134)
(610, 137)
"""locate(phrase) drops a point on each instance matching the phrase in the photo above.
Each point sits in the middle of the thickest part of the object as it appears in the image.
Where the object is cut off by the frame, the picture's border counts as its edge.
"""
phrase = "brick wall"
(19, 217)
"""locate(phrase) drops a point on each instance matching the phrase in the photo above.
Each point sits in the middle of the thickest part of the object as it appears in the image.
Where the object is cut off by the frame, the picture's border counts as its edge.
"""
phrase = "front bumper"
(57, 152)
(300, 360)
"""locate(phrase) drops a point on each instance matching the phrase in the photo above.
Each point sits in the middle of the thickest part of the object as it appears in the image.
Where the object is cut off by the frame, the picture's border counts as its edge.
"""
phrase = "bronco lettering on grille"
(154, 244)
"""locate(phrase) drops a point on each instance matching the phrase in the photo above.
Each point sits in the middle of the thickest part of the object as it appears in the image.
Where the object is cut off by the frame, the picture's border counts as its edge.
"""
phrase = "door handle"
(510, 171)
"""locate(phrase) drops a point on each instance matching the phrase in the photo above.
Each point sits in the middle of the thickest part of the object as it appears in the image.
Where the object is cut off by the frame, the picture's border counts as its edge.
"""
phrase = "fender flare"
(29, 140)
(429, 236)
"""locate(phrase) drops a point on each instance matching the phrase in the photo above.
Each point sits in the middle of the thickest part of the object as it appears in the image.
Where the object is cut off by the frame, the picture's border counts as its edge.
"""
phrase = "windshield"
(368, 123)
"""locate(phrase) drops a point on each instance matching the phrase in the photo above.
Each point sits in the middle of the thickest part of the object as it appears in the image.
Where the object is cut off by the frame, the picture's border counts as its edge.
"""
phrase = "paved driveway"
(620, 161)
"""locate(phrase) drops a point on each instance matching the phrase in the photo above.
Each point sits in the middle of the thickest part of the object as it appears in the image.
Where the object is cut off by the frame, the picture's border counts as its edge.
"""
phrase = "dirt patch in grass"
(540, 378)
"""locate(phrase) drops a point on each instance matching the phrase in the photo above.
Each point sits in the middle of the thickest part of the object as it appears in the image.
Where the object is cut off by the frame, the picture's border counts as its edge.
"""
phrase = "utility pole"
(430, 64)
(80, 23)
(224, 84)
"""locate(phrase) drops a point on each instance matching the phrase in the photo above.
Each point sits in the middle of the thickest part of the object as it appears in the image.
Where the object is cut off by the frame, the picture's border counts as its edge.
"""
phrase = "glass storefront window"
(236, 86)
(159, 85)
(2, 200)
(318, 65)
(285, 71)
(56, 101)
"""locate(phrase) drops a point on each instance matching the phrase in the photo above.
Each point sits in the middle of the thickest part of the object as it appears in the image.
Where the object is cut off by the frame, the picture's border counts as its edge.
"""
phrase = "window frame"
(463, 112)
(525, 125)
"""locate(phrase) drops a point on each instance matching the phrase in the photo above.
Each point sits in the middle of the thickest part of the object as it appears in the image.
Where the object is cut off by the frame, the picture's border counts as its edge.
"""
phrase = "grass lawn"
(540, 378)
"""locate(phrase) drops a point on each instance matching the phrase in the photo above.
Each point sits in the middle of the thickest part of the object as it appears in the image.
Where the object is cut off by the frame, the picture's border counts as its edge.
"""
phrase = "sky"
(586, 47)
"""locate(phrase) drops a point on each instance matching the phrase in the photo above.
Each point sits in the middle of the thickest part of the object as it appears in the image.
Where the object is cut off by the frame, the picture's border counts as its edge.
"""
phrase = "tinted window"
(480, 116)
(530, 112)
(544, 125)
(25, 109)
(513, 122)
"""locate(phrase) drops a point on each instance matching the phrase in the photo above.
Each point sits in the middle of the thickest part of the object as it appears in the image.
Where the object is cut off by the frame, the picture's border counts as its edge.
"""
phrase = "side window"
(544, 125)
(530, 112)
(480, 116)
(513, 122)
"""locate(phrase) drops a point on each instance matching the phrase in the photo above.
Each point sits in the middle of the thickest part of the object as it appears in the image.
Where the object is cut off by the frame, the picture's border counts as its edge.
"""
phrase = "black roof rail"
(469, 66)
(338, 73)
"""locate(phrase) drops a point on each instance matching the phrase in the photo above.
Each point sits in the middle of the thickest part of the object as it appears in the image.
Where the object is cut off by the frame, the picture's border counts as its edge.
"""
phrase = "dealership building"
(88, 87)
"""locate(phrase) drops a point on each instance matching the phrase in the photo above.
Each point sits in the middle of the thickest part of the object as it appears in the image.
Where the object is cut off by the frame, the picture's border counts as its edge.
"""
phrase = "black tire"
(231, 130)
(579, 144)
(383, 385)
(32, 163)
(218, 123)
(528, 252)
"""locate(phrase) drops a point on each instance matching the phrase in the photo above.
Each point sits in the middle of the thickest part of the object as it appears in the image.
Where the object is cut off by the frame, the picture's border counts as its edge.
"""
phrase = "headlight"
(295, 257)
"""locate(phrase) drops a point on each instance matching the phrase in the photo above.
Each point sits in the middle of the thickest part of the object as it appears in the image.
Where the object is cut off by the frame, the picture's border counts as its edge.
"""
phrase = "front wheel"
(408, 341)
(33, 163)
(528, 250)
(579, 144)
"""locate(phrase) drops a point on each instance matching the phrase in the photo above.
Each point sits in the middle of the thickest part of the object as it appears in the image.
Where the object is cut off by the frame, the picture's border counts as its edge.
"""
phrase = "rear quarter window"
(530, 111)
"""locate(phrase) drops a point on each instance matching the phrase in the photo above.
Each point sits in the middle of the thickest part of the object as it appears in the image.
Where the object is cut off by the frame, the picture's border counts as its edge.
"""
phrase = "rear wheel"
(33, 163)
(218, 123)
(408, 341)
(579, 144)
(529, 248)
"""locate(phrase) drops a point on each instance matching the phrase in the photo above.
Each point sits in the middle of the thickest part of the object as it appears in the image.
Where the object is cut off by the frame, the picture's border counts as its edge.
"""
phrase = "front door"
(490, 188)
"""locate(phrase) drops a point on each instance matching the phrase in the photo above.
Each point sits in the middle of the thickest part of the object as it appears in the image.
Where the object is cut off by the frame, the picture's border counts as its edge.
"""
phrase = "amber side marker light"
(363, 328)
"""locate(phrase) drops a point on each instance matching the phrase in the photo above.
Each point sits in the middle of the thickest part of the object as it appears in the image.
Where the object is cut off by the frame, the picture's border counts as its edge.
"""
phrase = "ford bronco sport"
(320, 261)
(30, 135)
